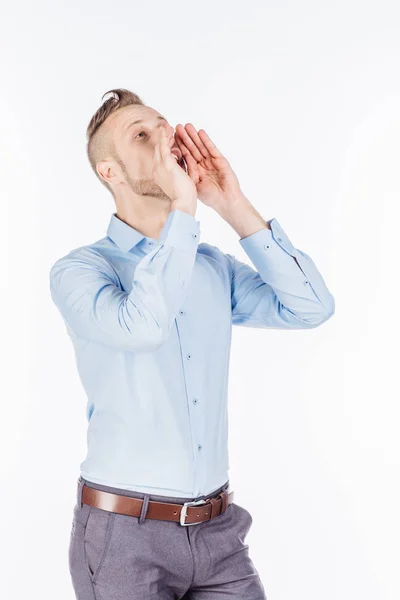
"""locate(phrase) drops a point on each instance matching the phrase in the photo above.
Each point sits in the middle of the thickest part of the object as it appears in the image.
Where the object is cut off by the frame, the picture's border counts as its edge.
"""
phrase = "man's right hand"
(171, 178)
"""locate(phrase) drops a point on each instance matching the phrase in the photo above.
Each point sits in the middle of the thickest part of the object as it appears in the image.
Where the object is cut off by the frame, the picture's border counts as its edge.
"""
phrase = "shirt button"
(195, 400)
(194, 235)
(266, 246)
(181, 312)
(305, 282)
(199, 447)
(188, 356)
(279, 239)
(150, 243)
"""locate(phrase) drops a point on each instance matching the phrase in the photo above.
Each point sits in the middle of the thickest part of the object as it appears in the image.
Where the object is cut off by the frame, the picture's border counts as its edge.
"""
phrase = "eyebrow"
(160, 117)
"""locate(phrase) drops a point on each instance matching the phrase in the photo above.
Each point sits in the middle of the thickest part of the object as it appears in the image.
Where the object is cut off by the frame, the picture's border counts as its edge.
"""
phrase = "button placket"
(194, 400)
(196, 445)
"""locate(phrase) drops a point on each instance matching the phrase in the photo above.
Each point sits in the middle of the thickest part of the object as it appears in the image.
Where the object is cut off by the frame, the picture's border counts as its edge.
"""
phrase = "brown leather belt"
(188, 513)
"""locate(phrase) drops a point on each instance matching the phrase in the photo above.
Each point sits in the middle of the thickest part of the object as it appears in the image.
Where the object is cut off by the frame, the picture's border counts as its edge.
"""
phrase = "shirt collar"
(124, 235)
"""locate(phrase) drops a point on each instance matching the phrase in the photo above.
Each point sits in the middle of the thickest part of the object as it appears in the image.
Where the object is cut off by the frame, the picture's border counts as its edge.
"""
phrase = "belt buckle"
(184, 512)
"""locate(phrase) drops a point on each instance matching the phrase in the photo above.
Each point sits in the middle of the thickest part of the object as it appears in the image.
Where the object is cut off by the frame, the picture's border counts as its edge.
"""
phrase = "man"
(149, 310)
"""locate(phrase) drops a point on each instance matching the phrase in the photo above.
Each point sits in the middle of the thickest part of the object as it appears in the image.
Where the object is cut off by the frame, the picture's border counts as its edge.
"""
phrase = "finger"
(164, 147)
(158, 146)
(209, 144)
(157, 154)
(190, 161)
(191, 130)
(190, 145)
(192, 166)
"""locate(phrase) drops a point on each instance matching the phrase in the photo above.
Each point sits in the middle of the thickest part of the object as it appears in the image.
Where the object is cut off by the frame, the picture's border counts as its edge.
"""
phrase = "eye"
(140, 133)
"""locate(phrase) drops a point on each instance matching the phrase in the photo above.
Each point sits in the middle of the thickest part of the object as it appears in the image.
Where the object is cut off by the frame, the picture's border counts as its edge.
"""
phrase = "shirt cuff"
(284, 267)
(180, 230)
(269, 247)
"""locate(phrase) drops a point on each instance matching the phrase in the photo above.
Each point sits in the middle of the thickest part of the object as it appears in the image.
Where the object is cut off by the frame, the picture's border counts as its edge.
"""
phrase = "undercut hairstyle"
(100, 143)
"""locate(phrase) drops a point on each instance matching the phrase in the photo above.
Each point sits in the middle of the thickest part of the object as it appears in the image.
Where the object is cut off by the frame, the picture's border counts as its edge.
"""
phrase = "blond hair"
(99, 140)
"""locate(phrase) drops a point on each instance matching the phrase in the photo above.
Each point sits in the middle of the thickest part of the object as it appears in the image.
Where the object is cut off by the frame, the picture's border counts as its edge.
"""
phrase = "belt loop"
(145, 505)
(224, 499)
(79, 491)
(214, 509)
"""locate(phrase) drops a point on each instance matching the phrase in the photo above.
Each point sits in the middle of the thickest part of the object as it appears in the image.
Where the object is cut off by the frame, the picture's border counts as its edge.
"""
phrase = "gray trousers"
(120, 557)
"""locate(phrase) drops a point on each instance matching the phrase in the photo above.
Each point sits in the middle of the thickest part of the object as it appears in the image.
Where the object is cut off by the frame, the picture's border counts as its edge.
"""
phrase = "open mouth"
(179, 158)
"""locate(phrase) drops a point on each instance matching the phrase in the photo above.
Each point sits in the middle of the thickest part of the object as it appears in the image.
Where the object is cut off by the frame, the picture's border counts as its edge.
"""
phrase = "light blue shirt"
(151, 322)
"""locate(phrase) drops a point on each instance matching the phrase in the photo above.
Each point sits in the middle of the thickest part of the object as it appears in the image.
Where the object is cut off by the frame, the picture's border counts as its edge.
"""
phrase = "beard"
(143, 187)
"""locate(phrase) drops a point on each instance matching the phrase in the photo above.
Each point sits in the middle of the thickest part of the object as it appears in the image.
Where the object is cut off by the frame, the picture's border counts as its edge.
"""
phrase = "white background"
(303, 98)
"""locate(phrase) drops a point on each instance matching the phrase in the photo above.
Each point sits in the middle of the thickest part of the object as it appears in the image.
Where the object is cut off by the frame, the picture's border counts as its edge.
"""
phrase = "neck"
(147, 214)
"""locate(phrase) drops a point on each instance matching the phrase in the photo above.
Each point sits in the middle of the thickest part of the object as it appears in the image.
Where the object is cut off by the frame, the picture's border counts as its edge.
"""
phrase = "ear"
(109, 171)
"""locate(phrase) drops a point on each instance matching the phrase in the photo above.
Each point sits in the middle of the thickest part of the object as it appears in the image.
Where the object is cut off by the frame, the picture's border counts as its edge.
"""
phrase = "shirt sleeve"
(286, 291)
(87, 291)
